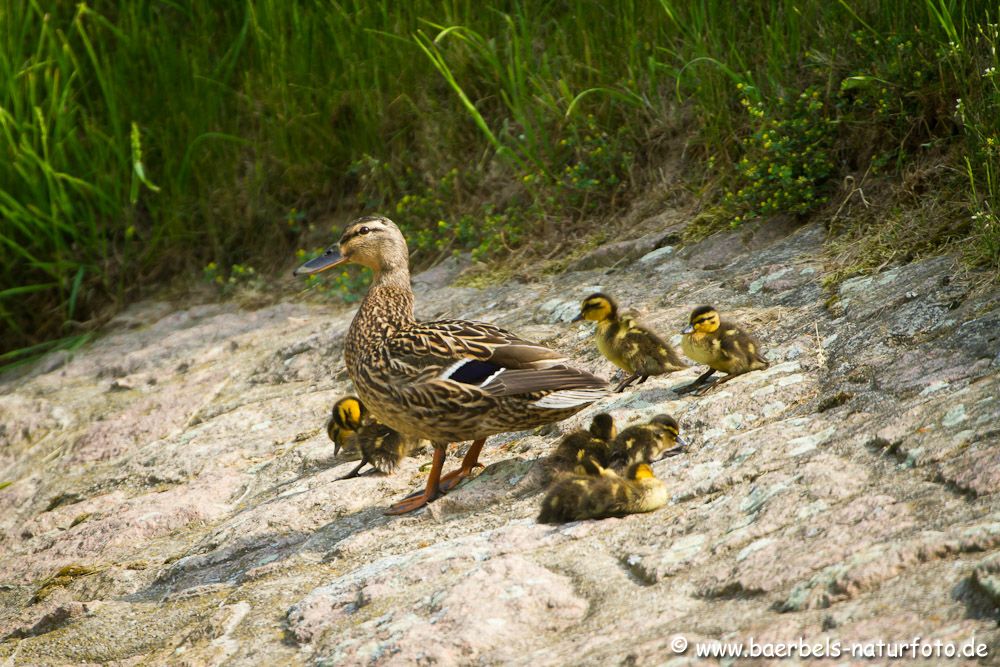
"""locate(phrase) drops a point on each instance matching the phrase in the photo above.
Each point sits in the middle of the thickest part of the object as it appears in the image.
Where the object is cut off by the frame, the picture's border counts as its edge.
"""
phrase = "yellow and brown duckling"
(590, 444)
(721, 345)
(352, 428)
(627, 344)
(602, 494)
(645, 443)
(348, 416)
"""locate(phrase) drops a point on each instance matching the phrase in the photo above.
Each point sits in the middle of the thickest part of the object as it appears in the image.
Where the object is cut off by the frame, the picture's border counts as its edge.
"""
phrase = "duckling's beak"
(681, 442)
(688, 329)
(577, 318)
(327, 260)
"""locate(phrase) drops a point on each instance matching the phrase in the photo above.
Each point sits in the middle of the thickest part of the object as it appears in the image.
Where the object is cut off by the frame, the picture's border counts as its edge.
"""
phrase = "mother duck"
(444, 381)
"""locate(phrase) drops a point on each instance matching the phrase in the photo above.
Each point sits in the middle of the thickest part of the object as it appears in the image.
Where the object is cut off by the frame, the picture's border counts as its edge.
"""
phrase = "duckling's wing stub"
(647, 353)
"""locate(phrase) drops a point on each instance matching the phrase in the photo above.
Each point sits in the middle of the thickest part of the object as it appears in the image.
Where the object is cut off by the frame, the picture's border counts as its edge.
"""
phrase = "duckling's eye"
(363, 230)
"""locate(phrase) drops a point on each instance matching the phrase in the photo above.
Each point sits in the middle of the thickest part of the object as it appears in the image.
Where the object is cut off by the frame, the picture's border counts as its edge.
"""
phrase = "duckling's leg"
(431, 492)
(704, 390)
(626, 382)
(469, 463)
(354, 473)
(700, 380)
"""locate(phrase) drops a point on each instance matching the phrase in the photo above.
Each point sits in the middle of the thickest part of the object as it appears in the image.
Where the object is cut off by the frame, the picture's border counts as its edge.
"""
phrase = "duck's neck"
(386, 308)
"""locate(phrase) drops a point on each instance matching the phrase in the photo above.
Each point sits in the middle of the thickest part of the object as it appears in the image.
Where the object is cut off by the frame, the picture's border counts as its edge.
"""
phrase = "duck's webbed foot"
(469, 463)
(354, 473)
(430, 493)
(701, 391)
(413, 502)
(626, 382)
(697, 384)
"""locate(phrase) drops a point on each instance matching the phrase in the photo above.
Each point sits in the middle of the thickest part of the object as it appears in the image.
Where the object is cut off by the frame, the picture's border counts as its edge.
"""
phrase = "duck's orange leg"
(431, 492)
(469, 463)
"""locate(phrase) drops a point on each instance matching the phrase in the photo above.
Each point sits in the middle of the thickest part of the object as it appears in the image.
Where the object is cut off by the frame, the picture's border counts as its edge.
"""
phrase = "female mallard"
(722, 346)
(351, 427)
(444, 381)
(627, 344)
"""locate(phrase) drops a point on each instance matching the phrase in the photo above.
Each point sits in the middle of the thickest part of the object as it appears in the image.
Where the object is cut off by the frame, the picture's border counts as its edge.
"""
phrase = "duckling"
(645, 443)
(627, 344)
(606, 494)
(348, 415)
(591, 444)
(723, 346)
(351, 427)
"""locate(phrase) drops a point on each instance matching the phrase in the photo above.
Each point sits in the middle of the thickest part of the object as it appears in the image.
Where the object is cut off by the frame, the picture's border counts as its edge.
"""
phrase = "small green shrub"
(786, 158)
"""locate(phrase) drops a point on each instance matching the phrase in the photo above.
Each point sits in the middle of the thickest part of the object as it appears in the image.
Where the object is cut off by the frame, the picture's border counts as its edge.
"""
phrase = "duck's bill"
(688, 329)
(577, 318)
(327, 260)
(681, 442)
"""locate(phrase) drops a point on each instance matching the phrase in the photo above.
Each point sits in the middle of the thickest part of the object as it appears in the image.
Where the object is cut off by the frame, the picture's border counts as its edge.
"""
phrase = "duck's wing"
(486, 357)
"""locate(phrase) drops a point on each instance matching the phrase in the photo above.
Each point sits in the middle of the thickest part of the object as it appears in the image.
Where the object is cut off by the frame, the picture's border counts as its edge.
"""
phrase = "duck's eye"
(363, 230)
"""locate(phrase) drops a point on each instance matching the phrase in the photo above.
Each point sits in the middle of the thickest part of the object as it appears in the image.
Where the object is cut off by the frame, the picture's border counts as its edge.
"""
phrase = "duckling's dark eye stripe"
(705, 318)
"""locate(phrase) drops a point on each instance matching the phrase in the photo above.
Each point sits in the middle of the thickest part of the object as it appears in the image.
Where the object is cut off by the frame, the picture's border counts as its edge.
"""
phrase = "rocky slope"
(174, 497)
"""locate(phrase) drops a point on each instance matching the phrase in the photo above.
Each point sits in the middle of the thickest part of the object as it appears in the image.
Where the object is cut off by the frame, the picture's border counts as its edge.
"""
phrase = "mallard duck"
(577, 446)
(603, 493)
(722, 346)
(645, 443)
(350, 426)
(627, 344)
(445, 381)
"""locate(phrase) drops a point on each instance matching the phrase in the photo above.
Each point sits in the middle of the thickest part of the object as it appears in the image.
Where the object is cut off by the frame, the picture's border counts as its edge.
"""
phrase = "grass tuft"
(129, 156)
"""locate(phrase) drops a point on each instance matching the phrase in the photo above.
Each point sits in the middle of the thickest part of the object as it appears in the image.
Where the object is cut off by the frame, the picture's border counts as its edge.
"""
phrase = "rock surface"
(174, 499)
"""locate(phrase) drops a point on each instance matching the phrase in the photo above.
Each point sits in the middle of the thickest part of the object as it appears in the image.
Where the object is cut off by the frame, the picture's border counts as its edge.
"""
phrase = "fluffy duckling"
(602, 495)
(627, 344)
(347, 418)
(351, 427)
(721, 345)
(591, 444)
(645, 443)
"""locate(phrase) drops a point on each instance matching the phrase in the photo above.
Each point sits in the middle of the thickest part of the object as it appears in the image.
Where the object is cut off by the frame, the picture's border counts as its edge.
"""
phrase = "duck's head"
(668, 428)
(348, 413)
(602, 427)
(373, 241)
(597, 307)
(704, 319)
(639, 471)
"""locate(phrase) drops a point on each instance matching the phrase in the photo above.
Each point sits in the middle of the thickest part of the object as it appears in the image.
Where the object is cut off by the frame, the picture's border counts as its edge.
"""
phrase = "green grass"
(129, 156)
